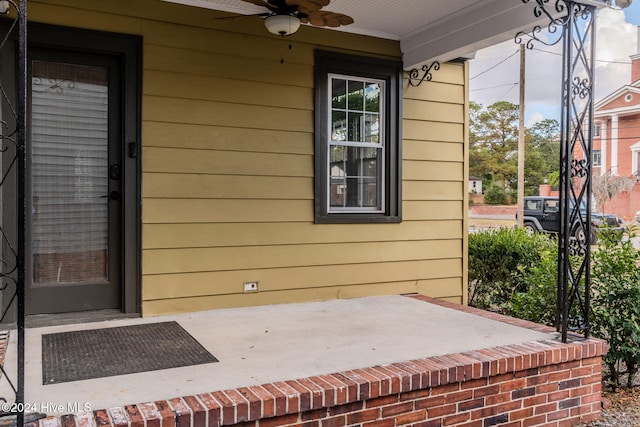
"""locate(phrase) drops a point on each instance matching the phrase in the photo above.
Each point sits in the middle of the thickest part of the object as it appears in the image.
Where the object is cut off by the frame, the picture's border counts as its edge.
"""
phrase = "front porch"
(379, 361)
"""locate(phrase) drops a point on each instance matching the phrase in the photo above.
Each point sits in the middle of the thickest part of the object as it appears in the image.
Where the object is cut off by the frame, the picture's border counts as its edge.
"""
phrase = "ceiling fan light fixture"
(622, 4)
(282, 25)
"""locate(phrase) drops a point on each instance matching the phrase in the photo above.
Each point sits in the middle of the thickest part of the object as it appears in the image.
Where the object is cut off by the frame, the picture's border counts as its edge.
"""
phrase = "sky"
(495, 71)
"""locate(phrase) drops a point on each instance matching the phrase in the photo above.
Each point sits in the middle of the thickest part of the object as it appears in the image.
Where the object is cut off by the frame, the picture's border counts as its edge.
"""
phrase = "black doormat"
(98, 353)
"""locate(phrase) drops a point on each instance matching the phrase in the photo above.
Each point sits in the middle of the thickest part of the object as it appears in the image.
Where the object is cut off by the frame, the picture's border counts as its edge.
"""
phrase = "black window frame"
(391, 73)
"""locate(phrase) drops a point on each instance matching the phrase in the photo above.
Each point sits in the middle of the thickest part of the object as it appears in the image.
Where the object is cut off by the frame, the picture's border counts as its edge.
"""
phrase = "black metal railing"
(13, 155)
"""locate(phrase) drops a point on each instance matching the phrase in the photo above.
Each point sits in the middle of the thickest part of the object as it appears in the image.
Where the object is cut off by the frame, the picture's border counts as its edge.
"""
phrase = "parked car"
(541, 215)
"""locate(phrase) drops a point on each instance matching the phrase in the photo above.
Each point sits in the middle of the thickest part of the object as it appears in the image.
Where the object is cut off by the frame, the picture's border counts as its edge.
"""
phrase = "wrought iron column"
(13, 157)
(573, 24)
(22, 170)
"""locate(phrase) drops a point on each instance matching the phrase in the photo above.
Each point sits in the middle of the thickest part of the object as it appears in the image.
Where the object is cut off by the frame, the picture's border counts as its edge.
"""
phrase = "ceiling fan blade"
(262, 3)
(327, 19)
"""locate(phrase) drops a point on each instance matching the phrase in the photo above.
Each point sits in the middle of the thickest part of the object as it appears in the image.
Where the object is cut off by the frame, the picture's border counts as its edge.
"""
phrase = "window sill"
(357, 219)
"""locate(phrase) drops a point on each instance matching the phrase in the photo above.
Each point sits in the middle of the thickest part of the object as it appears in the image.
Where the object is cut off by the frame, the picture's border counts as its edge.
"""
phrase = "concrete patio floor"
(259, 345)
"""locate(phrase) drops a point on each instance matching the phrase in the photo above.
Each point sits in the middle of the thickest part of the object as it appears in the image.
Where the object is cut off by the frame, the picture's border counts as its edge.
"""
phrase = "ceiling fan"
(284, 16)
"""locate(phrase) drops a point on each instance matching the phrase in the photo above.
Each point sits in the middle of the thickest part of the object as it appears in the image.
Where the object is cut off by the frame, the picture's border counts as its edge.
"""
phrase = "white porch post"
(603, 147)
(614, 144)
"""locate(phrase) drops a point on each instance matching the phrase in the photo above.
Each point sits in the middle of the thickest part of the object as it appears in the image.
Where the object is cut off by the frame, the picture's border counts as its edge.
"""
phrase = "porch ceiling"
(427, 30)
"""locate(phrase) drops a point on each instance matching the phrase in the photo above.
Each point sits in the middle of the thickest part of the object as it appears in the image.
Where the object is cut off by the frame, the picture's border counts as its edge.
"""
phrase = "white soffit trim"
(427, 30)
(632, 109)
(480, 25)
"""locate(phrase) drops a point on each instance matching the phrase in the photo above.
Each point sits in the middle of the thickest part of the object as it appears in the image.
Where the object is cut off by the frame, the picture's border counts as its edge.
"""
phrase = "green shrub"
(495, 195)
(500, 263)
(539, 302)
(616, 304)
(516, 274)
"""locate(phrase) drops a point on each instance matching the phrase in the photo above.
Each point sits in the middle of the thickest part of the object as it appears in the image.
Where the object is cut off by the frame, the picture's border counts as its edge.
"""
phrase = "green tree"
(494, 143)
(478, 154)
(542, 154)
(493, 137)
(495, 195)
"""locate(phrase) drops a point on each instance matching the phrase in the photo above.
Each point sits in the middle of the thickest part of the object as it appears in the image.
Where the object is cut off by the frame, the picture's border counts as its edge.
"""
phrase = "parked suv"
(541, 215)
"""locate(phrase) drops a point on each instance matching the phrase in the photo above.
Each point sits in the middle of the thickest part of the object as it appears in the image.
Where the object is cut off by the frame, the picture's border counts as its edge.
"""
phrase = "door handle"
(114, 195)
(114, 171)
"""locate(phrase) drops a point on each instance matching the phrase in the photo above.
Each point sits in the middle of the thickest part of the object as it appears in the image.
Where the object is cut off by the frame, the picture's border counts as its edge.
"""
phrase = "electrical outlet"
(251, 286)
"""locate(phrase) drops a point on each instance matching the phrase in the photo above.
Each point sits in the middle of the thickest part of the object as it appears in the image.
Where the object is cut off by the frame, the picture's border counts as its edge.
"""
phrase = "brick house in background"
(616, 140)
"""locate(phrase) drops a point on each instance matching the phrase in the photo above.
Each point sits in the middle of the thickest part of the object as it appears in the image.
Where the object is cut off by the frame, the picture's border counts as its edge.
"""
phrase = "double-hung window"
(357, 139)
(597, 158)
(355, 149)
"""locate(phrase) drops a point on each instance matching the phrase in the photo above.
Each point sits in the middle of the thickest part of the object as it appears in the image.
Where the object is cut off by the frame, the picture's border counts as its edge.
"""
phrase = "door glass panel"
(69, 178)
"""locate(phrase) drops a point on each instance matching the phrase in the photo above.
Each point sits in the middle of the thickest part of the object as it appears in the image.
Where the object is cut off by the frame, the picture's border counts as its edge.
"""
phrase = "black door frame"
(128, 49)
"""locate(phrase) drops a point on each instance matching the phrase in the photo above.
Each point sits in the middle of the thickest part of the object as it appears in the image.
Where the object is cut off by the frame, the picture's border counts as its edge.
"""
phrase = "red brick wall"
(534, 384)
(635, 68)
(531, 384)
(625, 205)
(627, 136)
(494, 209)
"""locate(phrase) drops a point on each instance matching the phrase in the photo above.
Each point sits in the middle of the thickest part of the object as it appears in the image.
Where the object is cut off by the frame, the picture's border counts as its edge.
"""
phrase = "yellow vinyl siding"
(199, 186)
(433, 131)
(166, 261)
(433, 190)
(227, 165)
(207, 113)
(183, 136)
(170, 160)
(224, 210)
(281, 297)
(202, 235)
(199, 283)
(433, 111)
(428, 170)
(229, 91)
(433, 151)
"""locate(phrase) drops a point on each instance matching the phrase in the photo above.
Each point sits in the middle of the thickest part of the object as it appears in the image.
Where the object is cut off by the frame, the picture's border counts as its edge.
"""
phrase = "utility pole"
(520, 215)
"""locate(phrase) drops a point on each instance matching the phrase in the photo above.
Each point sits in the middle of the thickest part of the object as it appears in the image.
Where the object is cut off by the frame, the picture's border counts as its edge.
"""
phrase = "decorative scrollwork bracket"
(415, 78)
(559, 13)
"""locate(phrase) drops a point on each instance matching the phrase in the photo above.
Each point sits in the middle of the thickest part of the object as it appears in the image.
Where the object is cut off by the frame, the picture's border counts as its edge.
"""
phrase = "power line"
(512, 85)
(494, 66)
(597, 60)
(626, 138)
(539, 50)
(508, 90)
(493, 87)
